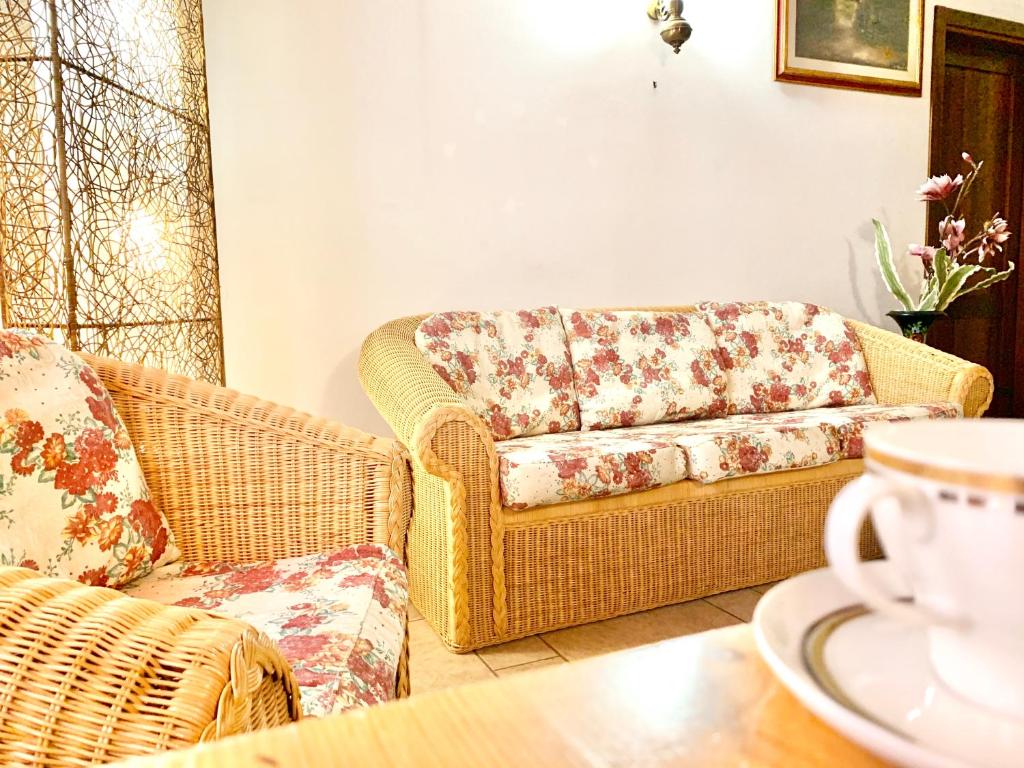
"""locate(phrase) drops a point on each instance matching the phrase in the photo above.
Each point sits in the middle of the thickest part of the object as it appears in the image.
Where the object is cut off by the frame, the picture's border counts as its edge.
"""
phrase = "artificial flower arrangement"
(949, 266)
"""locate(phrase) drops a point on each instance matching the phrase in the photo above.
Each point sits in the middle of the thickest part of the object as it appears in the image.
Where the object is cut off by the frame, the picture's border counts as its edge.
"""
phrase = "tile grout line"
(553, 649)
(483, 661)
(535, 661)
(725, 610)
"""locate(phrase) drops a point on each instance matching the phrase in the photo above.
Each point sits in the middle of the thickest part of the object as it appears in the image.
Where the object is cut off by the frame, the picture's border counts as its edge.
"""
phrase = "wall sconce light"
(675, 30)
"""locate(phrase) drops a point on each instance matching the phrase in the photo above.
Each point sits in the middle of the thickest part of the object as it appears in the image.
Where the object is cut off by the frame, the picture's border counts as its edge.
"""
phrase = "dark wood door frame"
(948, 20)
(1006, 35)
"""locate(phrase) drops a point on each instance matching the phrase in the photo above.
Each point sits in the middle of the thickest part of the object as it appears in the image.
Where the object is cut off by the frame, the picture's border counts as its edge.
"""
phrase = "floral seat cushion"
(788, 356)
(513, 368)
(851, 420)
(548, 469)
(633, 368)
(751, 444)
(553, 468)
(338, 618)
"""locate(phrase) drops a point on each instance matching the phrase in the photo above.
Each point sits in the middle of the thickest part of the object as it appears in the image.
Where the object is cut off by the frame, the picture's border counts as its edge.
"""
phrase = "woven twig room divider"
(107, 236)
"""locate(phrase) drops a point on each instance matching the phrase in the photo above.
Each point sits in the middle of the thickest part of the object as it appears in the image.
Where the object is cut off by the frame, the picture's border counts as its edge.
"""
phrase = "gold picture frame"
(855, 44)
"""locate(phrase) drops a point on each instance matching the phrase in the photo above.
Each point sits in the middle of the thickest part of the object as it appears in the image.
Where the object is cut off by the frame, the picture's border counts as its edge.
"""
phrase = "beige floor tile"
(524, 651)
(414, 614)
(540, 664)
(762, 588)
(432, 666)
(739, 603)
(637, 629)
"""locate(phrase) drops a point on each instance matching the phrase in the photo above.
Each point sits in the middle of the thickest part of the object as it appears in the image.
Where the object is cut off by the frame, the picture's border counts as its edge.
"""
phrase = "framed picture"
(870, 45)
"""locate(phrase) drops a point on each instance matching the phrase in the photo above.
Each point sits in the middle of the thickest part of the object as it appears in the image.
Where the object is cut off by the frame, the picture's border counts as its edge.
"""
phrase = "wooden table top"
(705, 700)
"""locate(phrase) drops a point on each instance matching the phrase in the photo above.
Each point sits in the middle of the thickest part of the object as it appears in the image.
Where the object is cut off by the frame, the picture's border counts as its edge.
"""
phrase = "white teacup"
(947, 502)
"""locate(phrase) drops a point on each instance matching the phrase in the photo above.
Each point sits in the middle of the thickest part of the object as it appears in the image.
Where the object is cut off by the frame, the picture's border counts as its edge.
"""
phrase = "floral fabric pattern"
(548, 469)
(633, 368)
(338, 618)
(513, 368)
(851, 420)
(718, 449)
(73, 500)
(554, 468)
(788, 356)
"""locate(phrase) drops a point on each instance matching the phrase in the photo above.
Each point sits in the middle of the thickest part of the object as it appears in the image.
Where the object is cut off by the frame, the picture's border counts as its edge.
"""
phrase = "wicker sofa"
(483, 573)
(92, 675)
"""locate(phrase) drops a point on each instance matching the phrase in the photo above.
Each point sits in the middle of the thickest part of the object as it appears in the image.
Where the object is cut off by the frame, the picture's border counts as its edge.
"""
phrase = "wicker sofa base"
(482, 574)
(569, 564)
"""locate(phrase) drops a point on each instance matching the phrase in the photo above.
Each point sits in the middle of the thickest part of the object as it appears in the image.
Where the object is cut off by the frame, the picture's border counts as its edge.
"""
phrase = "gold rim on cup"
(978, 480)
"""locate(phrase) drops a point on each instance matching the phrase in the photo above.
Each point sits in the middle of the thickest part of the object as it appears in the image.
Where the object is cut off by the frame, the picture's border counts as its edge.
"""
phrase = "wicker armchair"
(483, 574)
(90, 675)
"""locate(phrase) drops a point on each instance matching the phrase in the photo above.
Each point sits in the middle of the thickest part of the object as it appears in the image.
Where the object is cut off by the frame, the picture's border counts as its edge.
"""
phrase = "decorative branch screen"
(107, 234)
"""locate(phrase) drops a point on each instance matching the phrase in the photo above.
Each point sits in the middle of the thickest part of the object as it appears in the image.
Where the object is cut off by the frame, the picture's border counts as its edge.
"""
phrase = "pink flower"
(994, 234)
(924, 252)
(951, 232)
(967, 157)
(939, 187)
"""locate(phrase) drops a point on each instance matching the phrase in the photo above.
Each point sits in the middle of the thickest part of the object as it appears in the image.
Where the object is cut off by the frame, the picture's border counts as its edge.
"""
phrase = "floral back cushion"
(788, 356)
(512, 367)
(73, 501)
(634, 368)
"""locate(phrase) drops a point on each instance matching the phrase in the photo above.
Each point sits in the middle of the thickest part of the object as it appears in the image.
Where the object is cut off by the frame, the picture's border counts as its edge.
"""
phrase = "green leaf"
(942, 265)
(67, 500)
(951, 288)
(930, 297)
(883, 252)
(998, 277)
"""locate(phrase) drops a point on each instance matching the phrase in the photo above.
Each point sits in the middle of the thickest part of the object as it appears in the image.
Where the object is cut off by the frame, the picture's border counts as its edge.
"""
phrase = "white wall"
(373, 160)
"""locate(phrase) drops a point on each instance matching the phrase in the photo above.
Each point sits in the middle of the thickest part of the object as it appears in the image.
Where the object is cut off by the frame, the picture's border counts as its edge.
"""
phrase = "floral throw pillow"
(512, 367)
(634, 368)
(788, 356)
(73, 501)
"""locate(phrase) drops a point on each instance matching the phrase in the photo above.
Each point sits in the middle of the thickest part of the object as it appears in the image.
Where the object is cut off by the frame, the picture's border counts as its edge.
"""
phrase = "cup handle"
(845, 518)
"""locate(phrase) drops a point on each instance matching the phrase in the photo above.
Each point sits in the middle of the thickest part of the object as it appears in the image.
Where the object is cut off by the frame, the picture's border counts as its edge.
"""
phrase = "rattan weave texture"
(482, 574)
(90, 675)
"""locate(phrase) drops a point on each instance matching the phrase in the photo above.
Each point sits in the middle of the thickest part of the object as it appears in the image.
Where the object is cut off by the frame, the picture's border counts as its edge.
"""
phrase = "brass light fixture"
(106, 197)
(675, 30)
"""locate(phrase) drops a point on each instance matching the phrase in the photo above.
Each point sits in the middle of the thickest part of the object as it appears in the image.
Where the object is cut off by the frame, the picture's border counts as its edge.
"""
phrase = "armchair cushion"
(633, 368)
(338, 618)
(73, 499)
(513, 368)
(788, 356)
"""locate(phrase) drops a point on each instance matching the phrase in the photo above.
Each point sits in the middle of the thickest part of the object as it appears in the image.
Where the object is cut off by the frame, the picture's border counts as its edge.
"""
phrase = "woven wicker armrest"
(90, 675)
(906, 371)
(441, 431)
(241, 479)
(399, 380)
(458, 505)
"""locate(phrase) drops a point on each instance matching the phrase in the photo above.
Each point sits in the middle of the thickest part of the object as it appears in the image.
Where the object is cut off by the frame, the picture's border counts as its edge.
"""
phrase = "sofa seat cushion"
(634, 368)
(338, 618)
(750, 444)
(512, 368)
(850, 420)
(548, 469)
(788, 356)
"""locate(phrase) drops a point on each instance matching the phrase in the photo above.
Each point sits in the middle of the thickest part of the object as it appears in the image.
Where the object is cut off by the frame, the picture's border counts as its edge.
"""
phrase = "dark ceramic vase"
(915, 325)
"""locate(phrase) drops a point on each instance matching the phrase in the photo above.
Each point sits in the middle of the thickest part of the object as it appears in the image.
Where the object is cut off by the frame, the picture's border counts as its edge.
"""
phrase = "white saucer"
(869, 677)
